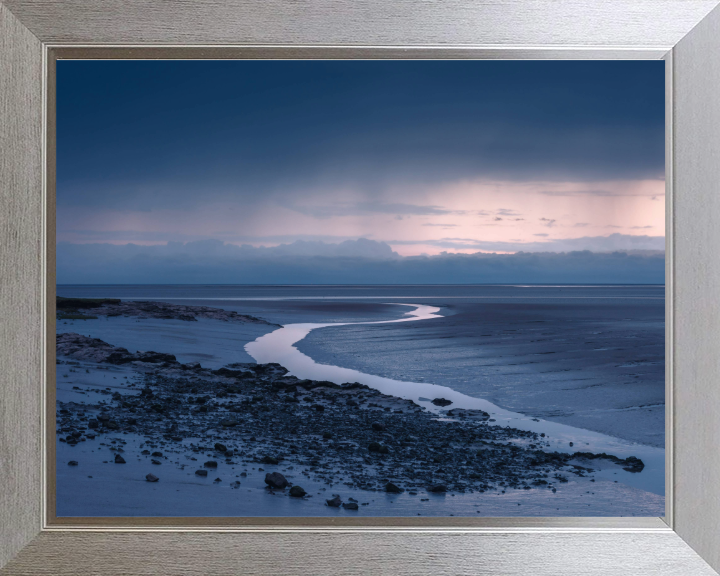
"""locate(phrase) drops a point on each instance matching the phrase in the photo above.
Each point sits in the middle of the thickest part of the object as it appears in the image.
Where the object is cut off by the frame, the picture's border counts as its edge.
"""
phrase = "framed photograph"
(348, 291)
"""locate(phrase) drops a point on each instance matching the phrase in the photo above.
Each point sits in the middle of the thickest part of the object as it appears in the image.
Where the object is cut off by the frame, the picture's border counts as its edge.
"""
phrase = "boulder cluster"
(349, 434)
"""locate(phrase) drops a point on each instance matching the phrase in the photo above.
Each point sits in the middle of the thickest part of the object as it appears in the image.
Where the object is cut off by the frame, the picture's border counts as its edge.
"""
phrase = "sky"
(242, 166)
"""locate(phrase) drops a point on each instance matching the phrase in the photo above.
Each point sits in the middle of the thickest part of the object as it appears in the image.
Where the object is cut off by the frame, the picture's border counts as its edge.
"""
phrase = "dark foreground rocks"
(276, 480)
(441, 402)
(297, 492)
(79, 307)
(392, 488)
(337, 435)
(151, 478)
(334, 502)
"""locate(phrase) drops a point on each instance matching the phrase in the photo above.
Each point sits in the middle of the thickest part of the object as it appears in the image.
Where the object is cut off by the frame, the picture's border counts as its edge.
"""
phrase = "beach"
(533, 380)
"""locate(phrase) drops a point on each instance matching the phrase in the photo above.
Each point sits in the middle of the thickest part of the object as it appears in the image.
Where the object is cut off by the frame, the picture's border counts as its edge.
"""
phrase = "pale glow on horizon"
(450, 217)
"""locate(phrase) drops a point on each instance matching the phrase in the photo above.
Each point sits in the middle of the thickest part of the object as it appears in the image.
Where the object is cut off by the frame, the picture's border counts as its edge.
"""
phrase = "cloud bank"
(612, 243)
(359, 261)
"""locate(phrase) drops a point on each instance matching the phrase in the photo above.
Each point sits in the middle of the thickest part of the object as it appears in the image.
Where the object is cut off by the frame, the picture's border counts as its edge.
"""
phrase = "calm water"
(493, 292)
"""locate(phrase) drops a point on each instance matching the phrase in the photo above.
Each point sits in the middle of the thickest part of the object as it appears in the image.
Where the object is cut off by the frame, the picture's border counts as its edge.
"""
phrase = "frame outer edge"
(20, 284)
(371, 22)
(21, 299)
(669, 297)
(696, 110)
(401, 554)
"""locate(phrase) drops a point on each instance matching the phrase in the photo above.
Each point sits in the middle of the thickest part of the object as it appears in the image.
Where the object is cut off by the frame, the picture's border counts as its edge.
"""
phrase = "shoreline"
(263, 408)
(588, 375)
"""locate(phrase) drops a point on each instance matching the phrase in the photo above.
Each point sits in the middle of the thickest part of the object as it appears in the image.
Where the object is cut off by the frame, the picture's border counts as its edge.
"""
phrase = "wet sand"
(597, 365)
(500, 348)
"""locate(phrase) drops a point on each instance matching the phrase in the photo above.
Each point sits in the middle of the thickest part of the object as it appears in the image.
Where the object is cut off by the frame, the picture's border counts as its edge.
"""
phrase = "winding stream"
(279, 346)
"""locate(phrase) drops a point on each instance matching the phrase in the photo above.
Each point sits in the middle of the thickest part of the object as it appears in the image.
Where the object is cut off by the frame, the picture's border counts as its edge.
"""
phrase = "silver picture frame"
(684, 33)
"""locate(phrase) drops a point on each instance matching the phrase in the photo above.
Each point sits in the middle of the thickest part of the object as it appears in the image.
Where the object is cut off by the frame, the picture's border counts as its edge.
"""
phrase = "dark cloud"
(611, 243)
(179, 133)
(329, 211)
(115, 236)
(549, 222)
(361, 261)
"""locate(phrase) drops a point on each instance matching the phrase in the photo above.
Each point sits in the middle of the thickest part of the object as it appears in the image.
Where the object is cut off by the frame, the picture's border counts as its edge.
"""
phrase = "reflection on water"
(278, 346)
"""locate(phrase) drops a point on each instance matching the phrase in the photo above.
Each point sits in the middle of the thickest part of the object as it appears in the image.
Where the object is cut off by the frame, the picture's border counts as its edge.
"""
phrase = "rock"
(384, 450)
(155, 357)
(229, 453)
(297, 492)
(269, 460)
(151, 478)
(228, 422)
(350, 506)
(442, 402)
(378, 426)
(228, 373)
(157, 454)
(220, 447)
(374, 447)
(335, 502)
(73, 463)
(93, 423)
(327, 435)
(437, 488)
(392, 488)
(157, 462)
(235, 485)
(210, 464)
(276, 480)
(119, 459)
(200, 472)
(318, 407)
(633, 464)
